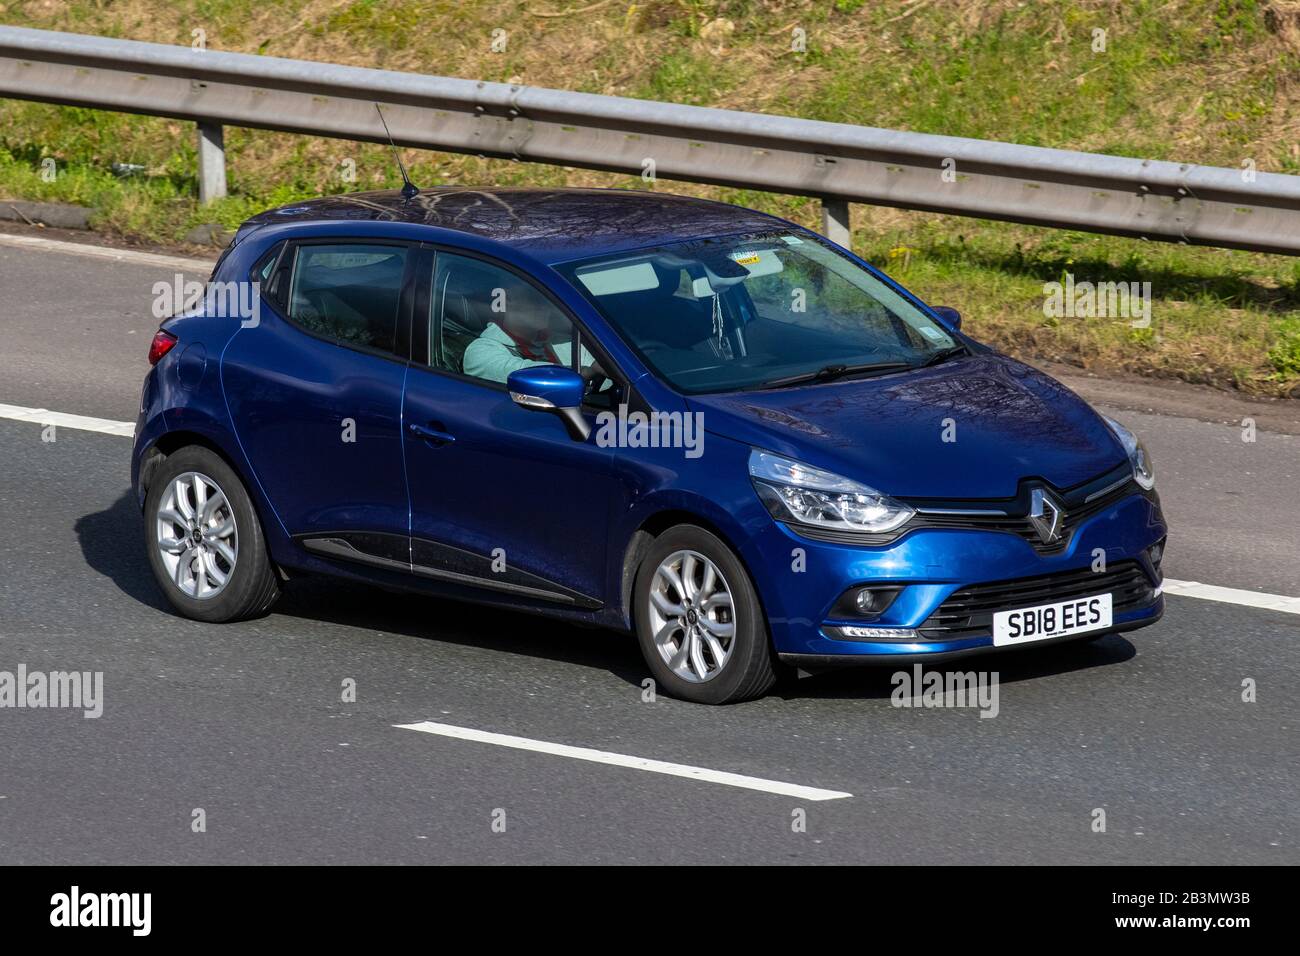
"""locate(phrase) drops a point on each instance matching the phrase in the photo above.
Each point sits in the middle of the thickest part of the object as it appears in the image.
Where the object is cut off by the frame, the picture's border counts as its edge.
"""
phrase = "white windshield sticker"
(627, 277)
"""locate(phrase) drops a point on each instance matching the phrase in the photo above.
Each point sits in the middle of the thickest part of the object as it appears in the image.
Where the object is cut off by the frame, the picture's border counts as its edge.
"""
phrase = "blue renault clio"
(695, 422)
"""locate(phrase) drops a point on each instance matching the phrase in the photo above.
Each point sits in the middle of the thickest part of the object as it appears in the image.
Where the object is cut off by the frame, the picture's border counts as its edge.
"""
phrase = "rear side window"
(349, 292)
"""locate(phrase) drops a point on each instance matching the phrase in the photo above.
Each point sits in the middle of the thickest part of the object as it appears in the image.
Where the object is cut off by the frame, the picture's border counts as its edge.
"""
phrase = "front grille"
(969, 611)
(1007, 515)
(1071, 519)
(1075, 510)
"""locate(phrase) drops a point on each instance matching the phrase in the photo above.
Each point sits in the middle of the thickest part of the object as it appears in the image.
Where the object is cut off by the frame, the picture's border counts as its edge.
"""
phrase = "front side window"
(486, 321)
(349, 292)
(756, 311)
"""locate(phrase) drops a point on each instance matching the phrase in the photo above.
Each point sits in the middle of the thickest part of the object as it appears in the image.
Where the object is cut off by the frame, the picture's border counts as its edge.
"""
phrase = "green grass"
(1221, 318)
(1203, 80)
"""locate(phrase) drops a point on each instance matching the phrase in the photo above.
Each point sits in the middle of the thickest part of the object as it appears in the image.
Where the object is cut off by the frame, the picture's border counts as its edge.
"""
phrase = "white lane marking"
(177, 263)
(1193, 589)
(622, 760)
(1212, 592)
(43, 416)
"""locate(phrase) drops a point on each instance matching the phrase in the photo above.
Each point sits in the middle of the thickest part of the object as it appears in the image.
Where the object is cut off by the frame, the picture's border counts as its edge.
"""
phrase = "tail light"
(162, 344)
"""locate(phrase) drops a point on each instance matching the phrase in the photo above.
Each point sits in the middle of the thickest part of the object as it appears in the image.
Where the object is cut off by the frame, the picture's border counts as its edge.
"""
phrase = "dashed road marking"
(623, 760)
(43, 416)
(1212, 592)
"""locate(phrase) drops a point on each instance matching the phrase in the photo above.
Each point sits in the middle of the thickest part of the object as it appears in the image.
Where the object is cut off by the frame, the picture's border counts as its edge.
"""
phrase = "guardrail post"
(835, 222)
(212, 163)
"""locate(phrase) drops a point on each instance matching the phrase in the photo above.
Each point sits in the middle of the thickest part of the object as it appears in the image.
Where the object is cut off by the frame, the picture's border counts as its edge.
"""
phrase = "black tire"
(751, 668)
(252, 586)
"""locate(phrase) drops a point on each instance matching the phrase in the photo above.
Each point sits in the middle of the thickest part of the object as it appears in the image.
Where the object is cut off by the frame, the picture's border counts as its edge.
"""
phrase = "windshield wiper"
(943, 355)
(829, 373)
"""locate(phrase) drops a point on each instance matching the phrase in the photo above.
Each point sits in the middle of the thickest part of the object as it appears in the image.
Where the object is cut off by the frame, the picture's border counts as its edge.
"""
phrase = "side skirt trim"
(341, 545)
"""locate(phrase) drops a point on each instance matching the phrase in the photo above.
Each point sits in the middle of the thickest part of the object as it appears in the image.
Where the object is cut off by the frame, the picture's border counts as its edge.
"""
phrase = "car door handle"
(431, 435)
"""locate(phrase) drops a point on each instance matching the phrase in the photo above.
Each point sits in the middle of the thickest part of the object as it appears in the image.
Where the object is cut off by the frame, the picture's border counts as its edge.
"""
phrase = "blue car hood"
(1009, 422)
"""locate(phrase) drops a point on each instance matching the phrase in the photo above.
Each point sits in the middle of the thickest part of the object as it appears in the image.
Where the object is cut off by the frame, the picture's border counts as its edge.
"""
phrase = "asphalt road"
(247, 723)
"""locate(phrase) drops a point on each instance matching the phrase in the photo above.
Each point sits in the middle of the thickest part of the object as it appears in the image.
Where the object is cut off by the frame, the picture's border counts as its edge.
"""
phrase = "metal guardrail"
(837, 163)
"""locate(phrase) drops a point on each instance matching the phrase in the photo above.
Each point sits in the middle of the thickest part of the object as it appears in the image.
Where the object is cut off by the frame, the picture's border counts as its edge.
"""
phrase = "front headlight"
(802, 494)
(1138, 455)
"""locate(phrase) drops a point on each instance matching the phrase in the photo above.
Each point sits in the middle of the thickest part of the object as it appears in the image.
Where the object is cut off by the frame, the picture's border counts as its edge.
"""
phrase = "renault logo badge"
(1045, 515)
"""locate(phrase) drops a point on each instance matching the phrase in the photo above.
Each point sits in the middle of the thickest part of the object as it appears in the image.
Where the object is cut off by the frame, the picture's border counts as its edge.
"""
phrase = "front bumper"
(937, 652)
(801, 579)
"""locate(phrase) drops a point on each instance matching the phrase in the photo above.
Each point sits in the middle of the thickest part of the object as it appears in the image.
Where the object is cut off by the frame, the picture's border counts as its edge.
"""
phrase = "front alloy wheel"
(692, 616)
(698, 619)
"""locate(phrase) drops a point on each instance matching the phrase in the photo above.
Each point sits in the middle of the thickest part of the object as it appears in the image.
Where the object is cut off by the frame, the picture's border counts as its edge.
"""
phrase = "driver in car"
(519, 336)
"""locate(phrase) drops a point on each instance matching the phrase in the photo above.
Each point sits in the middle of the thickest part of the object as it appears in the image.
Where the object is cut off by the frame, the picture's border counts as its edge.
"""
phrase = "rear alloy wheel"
(699, 622)
(205, 542)
(197, 535)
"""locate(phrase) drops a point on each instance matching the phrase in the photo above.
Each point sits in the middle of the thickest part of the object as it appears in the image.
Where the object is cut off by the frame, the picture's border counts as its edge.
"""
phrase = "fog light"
(1156, 552)
(865, 602)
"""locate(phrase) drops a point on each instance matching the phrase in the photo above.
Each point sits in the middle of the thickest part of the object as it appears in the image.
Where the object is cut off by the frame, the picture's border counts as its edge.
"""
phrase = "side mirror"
(948, 316)
(554, 389)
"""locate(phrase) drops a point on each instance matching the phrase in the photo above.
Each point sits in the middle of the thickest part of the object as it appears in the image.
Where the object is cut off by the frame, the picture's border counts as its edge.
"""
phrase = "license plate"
(1046, 621)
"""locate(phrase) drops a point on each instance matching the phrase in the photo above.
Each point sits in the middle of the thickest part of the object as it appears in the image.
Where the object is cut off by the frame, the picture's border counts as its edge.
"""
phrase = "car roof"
(550, 225)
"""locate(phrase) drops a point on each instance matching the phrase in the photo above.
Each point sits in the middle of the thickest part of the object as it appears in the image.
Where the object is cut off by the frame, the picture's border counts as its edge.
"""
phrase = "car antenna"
(409, 189)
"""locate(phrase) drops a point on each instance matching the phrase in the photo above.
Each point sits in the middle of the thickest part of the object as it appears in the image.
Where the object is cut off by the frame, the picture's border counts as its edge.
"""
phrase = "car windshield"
(757, 311)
